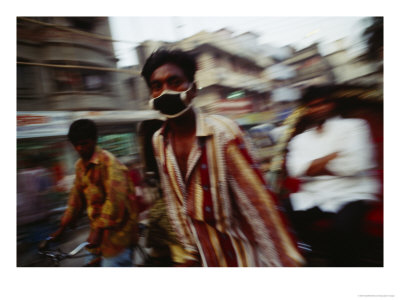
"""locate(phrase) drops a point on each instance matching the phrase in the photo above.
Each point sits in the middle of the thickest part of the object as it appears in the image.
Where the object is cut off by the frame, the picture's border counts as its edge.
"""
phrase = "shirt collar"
(335, 118)
(202, 128)
(326, 124)
(95, 159)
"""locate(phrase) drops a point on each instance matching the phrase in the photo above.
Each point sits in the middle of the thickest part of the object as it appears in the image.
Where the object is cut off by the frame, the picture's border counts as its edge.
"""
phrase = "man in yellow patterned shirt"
(102, 185)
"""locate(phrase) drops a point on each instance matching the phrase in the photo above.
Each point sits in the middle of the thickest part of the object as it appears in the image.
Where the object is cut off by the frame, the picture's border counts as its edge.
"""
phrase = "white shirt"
(353, 179)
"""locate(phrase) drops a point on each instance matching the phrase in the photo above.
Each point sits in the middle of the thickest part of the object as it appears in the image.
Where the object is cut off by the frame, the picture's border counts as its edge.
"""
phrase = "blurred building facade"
(354, 69)
(231, 76)
(294, 72)
(66, 63)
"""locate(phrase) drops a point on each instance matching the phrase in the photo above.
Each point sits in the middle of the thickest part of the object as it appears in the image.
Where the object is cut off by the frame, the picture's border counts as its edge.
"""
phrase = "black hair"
(82, 129)
(317, 92)
(340, 93)
(184, 60)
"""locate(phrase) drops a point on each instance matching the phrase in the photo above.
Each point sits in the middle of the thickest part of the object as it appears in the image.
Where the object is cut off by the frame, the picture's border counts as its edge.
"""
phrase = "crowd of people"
(212, 206)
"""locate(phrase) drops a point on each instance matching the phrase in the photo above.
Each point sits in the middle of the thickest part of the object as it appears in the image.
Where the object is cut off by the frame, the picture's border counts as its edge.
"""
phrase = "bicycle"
(57, 255)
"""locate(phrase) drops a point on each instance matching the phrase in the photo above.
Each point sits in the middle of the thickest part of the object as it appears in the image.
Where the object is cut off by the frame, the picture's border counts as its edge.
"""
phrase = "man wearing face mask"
(216, 198)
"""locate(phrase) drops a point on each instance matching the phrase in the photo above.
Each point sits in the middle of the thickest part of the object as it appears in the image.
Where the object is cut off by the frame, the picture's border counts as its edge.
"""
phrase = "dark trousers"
(339, 236)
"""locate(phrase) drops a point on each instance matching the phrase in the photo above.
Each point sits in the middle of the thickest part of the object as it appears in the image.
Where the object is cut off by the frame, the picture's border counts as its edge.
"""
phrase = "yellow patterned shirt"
(104, 188)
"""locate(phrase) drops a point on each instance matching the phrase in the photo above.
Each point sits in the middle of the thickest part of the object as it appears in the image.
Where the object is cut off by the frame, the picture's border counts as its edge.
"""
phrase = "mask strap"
(184, 94)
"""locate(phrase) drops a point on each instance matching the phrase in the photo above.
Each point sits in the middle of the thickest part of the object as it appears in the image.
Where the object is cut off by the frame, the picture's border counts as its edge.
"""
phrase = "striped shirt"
(222, 212)
(107, 192)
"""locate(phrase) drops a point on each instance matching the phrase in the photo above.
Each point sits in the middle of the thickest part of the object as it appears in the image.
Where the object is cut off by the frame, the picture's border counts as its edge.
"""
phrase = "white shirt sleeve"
(298, 159)
(356, 149)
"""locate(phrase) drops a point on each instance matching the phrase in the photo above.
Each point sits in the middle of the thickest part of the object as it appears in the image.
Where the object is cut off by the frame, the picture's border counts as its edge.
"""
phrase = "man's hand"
(44, 244)
(95, 237)
(56, 234)
(318, 166)
(53, 237)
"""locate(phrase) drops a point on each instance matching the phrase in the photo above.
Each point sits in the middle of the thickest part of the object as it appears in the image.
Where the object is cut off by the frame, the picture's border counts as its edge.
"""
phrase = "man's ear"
(193, 90)
(191, 93)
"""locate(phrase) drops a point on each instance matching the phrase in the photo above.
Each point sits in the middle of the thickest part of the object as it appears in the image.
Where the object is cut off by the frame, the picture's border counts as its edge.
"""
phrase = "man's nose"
(159, 91)
(164, 87)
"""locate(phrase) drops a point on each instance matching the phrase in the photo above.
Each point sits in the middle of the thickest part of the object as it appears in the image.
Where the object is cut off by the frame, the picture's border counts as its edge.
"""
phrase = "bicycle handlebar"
(77, 249)
(57, 255)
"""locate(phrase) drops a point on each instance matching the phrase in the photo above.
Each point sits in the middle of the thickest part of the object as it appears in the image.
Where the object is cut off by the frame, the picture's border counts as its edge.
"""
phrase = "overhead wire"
(81, 32)
(127, 71)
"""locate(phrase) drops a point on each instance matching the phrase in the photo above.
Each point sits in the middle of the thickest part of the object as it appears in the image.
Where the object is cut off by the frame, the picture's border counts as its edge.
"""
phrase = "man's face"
(319, 110)
(85, 148)
(168, 77)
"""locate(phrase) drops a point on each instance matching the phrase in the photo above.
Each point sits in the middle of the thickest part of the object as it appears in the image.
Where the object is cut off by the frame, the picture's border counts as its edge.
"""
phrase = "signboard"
(56, 123)
(42, 124)
(255, 118)
(117, 115)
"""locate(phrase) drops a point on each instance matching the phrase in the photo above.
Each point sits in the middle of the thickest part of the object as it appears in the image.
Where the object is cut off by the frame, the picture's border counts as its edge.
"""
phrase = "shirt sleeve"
(356, 150)
(259, 208)
(75, 203)
(119, 193)
(298, 159)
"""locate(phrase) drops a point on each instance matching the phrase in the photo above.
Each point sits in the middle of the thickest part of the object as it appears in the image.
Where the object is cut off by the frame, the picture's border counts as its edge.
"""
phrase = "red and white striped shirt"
(221, 211)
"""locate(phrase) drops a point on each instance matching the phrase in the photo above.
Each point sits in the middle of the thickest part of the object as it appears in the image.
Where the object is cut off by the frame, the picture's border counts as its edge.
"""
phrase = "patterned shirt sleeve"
(259, 207)
(75, 203)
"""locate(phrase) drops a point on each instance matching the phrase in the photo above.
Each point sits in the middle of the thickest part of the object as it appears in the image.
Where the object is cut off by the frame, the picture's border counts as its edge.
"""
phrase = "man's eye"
(175, 82)
(155, 87)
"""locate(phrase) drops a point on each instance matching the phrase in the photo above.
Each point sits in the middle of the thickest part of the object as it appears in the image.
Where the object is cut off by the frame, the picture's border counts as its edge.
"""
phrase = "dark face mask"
(171, 104)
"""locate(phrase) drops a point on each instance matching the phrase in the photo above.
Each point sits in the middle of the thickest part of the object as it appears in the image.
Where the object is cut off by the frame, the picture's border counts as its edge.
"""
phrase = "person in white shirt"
(334, 161)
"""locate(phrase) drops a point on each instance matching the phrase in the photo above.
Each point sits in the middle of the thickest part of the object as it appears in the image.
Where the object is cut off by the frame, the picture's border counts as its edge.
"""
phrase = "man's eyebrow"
(154, 81)
(173, 77)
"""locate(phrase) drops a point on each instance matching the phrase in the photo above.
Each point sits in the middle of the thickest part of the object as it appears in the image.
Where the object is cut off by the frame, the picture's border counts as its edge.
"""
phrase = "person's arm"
(75, 204)
(259, 208)
(319, 166)
(357, 153)
(302, 161)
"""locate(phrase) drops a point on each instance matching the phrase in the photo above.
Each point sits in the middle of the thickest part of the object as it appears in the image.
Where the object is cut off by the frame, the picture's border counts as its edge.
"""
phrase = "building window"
(83, 23)
(93, 82)
(26, 80)
(130, 87)
(81, 80)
